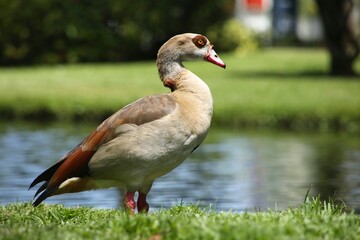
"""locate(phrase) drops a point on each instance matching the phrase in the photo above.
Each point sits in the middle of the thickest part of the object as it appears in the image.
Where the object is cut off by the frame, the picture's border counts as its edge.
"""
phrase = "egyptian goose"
(147, 138)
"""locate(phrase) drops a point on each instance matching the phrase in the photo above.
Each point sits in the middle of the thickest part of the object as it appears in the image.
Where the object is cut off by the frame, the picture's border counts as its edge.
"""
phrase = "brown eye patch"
(199, 41)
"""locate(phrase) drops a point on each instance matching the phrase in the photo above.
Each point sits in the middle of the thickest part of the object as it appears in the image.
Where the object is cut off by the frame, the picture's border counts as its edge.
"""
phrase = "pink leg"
(129, 203)
(142, 205)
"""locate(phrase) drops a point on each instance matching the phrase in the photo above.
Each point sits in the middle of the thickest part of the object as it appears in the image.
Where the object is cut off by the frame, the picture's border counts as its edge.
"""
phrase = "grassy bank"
(284, 88)
(312, 220)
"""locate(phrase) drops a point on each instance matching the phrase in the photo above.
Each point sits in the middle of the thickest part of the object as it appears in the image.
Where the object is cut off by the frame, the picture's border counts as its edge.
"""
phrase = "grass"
(312, 220)
(280, 88)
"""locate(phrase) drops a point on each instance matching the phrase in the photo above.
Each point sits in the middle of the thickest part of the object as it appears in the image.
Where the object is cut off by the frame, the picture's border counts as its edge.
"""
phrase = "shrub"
(44, 31)
(231, 35)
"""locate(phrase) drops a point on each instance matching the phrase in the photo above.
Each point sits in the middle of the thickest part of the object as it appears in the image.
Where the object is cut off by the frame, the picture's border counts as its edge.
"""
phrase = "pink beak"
(214, 58)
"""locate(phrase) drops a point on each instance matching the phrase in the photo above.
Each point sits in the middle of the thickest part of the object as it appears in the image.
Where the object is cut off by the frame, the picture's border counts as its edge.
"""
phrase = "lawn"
(278, 87)
(312, 220)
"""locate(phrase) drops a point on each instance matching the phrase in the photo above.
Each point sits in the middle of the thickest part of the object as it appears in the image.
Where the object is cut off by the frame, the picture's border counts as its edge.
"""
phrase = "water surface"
(233, 170)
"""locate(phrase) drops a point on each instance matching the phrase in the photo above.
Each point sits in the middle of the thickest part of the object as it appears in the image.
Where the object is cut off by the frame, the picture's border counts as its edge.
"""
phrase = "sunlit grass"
(312, 220)
(285, 88)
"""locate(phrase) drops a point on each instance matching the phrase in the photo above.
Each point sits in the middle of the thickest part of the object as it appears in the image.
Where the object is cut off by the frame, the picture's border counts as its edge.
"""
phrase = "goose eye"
(199, 41)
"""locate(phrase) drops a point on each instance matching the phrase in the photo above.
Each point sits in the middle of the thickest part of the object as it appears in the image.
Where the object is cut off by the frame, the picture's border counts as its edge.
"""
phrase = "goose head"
(185, 47)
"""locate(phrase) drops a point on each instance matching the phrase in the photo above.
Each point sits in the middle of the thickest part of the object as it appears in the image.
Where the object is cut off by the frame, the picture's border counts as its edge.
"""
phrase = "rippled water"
(237, 170)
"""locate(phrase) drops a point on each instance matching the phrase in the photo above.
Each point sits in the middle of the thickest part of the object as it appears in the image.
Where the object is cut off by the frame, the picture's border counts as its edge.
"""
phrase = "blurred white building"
(254, 14)
(279, 17)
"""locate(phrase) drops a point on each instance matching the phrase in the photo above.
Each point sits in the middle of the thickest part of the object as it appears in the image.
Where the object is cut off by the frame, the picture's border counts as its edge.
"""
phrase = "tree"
(67, 31)
(340, 36)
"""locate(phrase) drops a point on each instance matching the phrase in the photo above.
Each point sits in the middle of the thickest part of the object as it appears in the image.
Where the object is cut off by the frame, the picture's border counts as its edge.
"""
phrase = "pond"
(238, 170)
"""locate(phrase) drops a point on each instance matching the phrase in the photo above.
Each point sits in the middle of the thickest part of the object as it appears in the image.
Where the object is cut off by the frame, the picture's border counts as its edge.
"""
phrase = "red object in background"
(254, 5)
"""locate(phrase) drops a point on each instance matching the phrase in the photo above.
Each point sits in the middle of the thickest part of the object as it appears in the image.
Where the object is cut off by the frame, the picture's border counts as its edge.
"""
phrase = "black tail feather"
(47, 193)
(41, 188)
(46, 175)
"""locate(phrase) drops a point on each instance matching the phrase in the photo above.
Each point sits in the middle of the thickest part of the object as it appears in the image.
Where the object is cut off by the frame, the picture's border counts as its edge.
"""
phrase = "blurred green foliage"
(45, 31)
(231, 35)
(308, 8)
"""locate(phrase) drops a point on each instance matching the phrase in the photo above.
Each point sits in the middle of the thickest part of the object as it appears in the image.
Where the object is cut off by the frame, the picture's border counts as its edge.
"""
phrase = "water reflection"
(231, 170)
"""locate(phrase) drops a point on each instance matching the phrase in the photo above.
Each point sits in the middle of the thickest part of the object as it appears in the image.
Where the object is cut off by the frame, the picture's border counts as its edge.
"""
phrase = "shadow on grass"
(318, 75)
